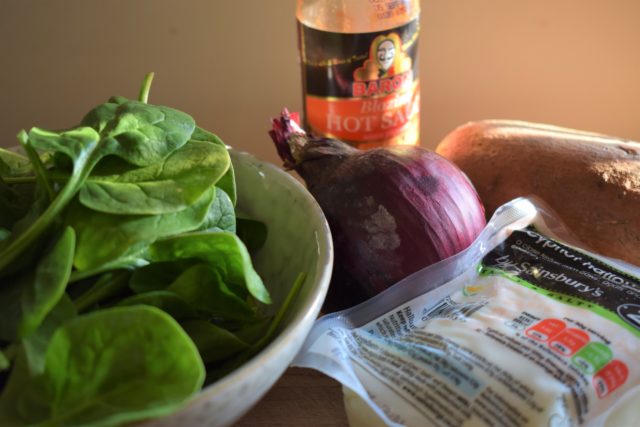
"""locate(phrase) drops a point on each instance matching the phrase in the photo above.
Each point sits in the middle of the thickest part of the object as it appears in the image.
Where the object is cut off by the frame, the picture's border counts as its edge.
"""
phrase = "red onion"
(392, 211)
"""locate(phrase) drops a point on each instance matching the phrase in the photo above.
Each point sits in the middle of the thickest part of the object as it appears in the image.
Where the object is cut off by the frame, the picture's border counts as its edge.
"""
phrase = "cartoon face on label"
(387, 58)
(386, 54)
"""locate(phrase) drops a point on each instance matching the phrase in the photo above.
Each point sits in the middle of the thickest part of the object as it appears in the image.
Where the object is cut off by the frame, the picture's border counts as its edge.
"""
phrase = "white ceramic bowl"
(298, 240)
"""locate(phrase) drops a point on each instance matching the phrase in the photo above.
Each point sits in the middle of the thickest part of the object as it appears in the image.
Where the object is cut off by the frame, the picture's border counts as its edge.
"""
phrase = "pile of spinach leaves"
(126, 281)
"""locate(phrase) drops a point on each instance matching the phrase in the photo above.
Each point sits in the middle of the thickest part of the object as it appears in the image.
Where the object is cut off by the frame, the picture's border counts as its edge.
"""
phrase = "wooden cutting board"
(301, 398)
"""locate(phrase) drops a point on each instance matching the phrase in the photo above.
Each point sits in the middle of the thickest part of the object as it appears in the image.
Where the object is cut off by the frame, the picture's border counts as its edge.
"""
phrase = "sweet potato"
(592, 181)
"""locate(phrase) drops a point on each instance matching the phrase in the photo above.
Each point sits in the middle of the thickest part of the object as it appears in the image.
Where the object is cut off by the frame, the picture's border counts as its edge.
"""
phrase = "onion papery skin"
(392, 211)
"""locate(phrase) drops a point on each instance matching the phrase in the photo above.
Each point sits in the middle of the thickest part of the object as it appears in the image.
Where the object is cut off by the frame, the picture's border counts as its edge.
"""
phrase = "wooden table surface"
(301, 398)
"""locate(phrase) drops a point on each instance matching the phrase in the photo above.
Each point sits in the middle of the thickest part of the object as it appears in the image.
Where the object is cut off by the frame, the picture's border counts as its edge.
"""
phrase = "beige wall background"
(233, 65)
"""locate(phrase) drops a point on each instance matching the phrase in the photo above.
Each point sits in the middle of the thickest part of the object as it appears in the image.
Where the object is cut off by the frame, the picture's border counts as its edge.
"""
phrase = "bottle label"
(362, 88)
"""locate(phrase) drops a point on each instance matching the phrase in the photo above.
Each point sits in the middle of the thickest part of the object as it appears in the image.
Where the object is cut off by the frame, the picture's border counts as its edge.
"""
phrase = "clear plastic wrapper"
(526, 327)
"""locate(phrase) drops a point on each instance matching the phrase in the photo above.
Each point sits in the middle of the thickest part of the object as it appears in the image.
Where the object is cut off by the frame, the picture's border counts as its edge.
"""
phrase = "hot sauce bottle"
(359, 62)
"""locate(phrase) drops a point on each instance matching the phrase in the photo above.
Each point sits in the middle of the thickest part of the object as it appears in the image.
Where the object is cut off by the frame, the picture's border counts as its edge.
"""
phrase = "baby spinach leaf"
(228, 181)
(140, 133)
(253, 331)
(80, 144)
(222, 250)
(41, 174)
(18, 377)
(48, 283)
(35, 345)
(128, 261)
(100, 116)
(15, 204)
(167, 301)
(107, 368)
(228, 184)
(10, 310)
(166, 186)
(26, 298)
(31, 253)
(158, 275)
(107, 286)
(227, 366)
(103, 238)
(200, 134)
(214, 343)
(14, 164)
(283, 310)
(221, 215)
(252, 233)
(4, 362)
(203, 289)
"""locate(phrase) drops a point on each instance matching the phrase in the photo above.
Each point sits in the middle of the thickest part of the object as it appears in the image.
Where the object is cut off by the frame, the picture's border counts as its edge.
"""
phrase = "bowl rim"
(302, 317)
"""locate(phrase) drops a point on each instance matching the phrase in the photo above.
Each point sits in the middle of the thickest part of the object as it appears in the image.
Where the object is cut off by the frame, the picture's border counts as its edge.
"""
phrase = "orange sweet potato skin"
(592, 181)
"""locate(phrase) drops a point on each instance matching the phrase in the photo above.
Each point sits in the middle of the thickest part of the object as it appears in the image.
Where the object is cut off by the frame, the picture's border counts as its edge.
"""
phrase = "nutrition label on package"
(525, 342)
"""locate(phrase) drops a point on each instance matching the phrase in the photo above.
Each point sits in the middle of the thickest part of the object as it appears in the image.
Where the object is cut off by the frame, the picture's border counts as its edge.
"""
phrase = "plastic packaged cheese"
(526, 327)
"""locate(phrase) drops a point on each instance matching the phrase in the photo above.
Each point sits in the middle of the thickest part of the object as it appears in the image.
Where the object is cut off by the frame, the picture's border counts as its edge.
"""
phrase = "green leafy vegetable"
(10, 309)
(80, 144)
(214, 343)
(15, 204)
(4, 362)
(203, 289)
(221, 215)
(167, 186)
(35, 345)
(128, 234)
(41, 173)
(229, 365)
(48, 284)
(158, 275)
(105, 368)
(125, 274)
(108, 286)
(138, 133)
(167, 301)
(28, 300)
(13, 164)
(228, 182)
(223, 251)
